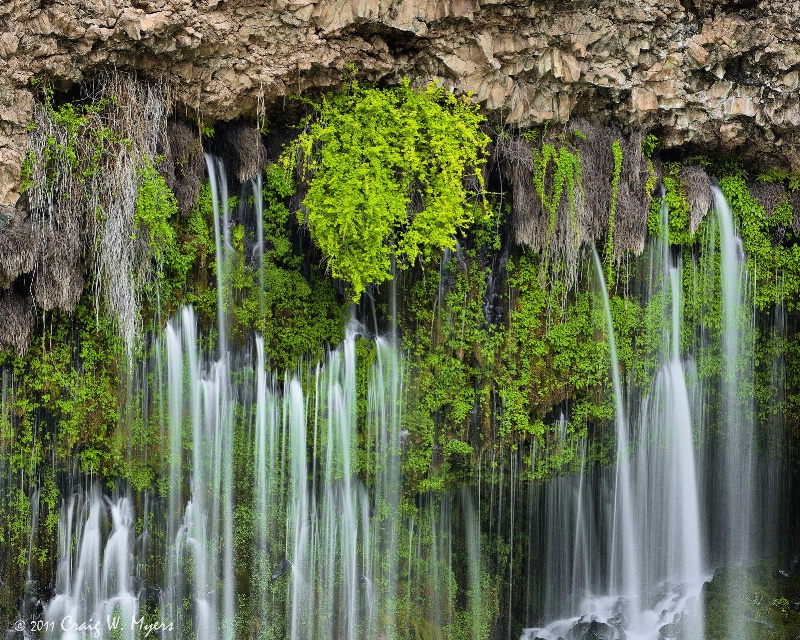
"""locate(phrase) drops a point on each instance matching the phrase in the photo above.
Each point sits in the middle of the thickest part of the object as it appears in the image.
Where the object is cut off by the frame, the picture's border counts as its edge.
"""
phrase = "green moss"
(775, 267)
(757, 598)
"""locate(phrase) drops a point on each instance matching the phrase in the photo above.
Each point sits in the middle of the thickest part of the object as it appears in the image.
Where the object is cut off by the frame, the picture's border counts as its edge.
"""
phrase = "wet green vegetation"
(504, 355)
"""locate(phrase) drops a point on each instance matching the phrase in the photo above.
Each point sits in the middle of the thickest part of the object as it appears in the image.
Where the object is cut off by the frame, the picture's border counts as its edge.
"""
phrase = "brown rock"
(729, 88)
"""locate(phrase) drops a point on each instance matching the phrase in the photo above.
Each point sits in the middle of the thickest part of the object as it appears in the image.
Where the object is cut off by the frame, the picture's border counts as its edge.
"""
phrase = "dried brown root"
(82, 198)
(18, 246)
(586, 218)
(182, 166)
(18, 321)
(794, 200)
(768, 195)
(242, 150)
(59, 273)
(633, 198)
(698, 193)
(597, 166)
(528, 222)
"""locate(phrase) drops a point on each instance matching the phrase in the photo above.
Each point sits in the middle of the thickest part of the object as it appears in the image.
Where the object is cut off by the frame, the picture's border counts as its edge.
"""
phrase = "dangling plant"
(386, 171)
(94, 199)
(557, 179)
(616, 149)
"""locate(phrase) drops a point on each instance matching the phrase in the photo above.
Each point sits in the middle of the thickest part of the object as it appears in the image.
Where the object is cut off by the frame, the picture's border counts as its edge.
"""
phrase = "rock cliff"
(713, 75)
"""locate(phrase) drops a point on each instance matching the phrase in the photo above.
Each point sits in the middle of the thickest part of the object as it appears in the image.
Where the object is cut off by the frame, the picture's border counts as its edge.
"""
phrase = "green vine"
(563, 162)
(616, 149)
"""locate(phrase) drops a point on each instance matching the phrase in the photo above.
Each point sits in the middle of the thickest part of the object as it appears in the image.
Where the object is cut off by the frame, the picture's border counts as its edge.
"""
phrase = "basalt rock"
(705, 74)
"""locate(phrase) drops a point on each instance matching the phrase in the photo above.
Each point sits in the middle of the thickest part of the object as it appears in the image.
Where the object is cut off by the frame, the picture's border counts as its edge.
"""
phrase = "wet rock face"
(715, 75)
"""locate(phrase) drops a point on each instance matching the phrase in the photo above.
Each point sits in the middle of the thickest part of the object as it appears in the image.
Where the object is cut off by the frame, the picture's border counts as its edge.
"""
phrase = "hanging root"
(182, 166)
(59, 272)
(242, 150)
(633, 198)
(84, 169)
(122, 263)
(794, 200)
(583, 212)
(698, 193)
(528, 223)
(18, 320)
(631, 201)
(768, 195)
(597, 166)
(18, 245)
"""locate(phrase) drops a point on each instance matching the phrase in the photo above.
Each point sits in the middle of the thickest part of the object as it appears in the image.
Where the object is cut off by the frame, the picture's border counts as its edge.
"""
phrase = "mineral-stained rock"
(716, 75)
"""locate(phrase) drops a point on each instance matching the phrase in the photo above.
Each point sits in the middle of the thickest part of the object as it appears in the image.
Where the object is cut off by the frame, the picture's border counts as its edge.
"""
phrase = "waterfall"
(280, 509)
(327, 542)
(736, 410)
(623, 536)
(655, 565)
(95, 585)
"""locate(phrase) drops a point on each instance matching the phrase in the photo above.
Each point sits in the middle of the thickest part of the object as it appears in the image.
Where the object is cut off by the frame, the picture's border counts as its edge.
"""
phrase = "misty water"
(616, 552)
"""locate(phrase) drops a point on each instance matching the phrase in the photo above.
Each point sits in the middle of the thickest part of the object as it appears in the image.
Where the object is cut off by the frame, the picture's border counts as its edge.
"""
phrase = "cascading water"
(736, 410)
(94, 586)
(318, 529)
(624, 561)
(281, 494)
(653, 536)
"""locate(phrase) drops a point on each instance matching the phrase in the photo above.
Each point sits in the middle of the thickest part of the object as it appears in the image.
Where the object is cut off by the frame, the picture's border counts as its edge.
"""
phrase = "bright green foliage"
(493, 386)
(26, 172)
(386, 171)
(564, 163)
(776, 267)
(649, 145)
(66, 401)
(774, 174)
(63, 413)
(156, 217)
(196, 237)
(616, 150)
(86, 137)
(679, 230)
(566, 175)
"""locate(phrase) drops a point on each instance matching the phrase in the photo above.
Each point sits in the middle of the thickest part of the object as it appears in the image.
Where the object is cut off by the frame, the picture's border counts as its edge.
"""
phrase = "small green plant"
(560, 166)
(206, 129)
(774, 174)
(649, 145)
(781, 605)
